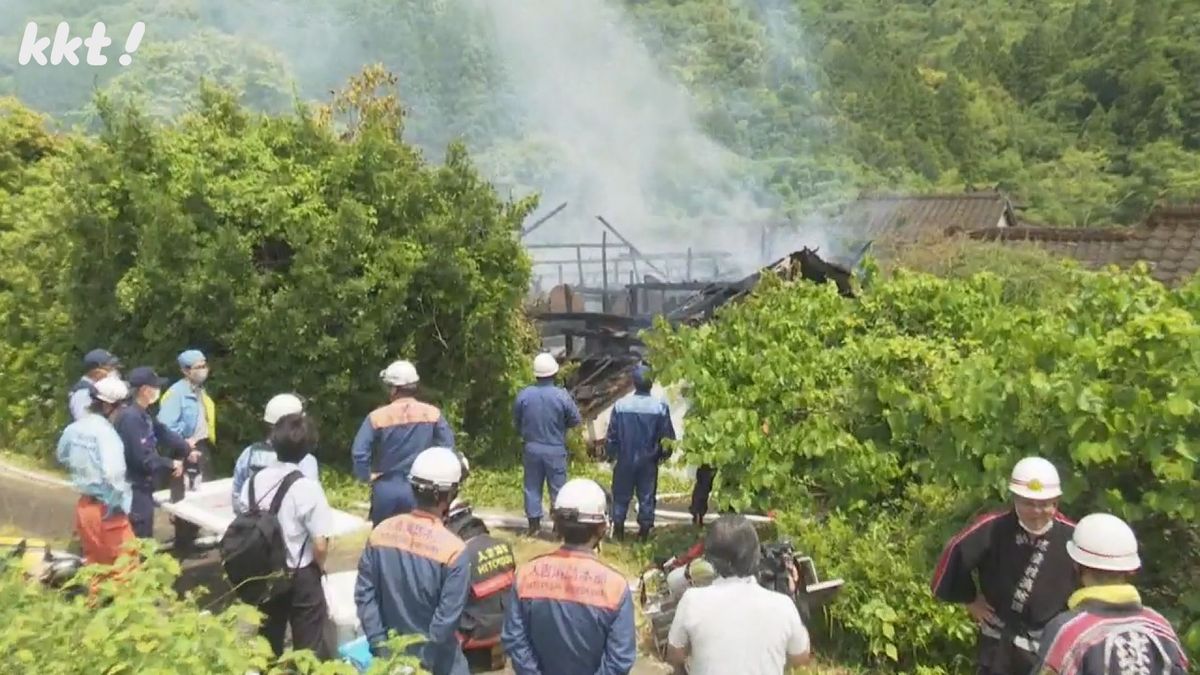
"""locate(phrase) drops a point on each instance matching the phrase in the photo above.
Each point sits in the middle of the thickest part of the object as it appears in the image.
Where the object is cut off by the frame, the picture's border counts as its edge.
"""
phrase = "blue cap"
(144, 376)
(190, 358)
(100, 358)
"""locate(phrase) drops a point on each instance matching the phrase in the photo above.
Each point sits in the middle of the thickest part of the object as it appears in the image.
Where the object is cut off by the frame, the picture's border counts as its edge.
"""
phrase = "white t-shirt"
(737, 626)
(303, 515)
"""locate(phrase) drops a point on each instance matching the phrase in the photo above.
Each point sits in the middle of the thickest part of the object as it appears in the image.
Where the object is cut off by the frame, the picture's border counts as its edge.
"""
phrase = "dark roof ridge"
(1026, 232)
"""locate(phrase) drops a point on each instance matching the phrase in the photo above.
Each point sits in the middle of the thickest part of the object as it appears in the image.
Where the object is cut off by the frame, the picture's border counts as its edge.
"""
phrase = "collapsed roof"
(603, 374)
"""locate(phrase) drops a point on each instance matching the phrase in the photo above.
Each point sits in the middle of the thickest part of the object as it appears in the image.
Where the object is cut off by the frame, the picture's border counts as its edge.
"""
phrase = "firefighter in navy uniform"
(1107, 630)
(413, 577)
(1025, 576)
(570, 613)
(493, 569)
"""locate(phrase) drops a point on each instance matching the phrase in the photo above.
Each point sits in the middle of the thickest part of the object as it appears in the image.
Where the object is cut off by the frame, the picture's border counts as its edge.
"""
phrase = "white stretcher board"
(343, 613)
(210, 506)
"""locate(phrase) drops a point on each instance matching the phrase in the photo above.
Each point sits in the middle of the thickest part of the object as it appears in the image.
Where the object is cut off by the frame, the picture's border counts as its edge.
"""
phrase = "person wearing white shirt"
(259, 455)
(306, 521)
(735, 625)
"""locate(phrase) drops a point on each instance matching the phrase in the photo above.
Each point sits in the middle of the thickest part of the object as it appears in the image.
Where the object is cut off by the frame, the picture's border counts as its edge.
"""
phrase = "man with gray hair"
(735, 625)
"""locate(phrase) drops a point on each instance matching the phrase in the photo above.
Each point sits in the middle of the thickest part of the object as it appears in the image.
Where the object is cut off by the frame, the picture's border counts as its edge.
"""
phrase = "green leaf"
(1179, 405)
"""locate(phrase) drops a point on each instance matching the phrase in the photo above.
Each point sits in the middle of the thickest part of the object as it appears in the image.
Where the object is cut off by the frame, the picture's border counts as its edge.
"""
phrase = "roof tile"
(1168, 241)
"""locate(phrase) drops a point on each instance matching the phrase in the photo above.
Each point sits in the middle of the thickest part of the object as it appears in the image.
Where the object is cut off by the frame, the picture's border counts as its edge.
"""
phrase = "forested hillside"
(1087, 111)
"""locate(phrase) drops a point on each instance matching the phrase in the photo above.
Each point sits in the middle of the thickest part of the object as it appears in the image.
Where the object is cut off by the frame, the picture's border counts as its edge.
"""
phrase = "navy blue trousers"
(391, 496)
(547, 467)
(629, 476)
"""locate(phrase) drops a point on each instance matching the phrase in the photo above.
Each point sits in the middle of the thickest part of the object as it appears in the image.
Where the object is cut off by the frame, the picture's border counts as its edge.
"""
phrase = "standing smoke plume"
(557, 97)
(622, 138)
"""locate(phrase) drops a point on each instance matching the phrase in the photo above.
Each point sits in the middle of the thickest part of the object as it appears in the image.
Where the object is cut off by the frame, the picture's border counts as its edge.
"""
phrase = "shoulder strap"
(282, 491)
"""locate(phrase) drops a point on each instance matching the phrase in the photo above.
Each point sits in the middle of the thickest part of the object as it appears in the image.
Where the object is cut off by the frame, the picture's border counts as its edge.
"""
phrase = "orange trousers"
(103, 538)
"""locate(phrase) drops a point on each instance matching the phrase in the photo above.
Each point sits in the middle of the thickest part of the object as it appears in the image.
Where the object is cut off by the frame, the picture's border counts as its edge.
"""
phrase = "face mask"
(199, 375)
(114, 374)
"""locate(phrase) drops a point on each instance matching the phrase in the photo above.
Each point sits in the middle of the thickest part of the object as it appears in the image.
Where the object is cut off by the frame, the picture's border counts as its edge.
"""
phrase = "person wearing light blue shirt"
(92, 451)
(260, 455)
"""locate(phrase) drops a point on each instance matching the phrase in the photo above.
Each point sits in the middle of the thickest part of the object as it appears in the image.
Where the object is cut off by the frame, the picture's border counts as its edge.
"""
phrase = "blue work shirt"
(79, 398)
(94, 454)
(140, 434)
(392, 436)
(182, 407)
(570, 614)
(413, 578)
(543, 413)
(637, 427)
(259, 456)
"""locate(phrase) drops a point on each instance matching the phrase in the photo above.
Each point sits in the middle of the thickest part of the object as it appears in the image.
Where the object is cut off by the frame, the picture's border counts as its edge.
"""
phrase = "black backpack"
(253, 552)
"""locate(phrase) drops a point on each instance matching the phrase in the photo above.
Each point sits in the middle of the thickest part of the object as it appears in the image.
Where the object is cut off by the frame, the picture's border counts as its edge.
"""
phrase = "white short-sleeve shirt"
(737, 626)
(304, 514)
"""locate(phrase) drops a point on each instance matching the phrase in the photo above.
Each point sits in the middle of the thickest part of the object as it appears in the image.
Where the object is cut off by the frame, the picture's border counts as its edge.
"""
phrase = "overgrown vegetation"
(1085, 110)
(884, 423)
(301, 253)
(138, 625)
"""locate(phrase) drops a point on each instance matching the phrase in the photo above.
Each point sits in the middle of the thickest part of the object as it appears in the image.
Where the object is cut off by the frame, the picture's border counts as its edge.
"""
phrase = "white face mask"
(198, 375)
(114, 374)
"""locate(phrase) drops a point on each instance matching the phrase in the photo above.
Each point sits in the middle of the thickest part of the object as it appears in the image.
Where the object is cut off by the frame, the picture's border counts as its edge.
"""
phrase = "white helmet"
(1103, 541)
(399, 374)
(583, 500)
(280, 405)
(437, 467)
(111, 390)
(1035, 478)
(545, 365)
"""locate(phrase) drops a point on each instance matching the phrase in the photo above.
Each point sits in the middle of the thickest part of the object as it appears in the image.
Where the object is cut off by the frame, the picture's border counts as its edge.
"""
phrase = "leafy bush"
(139, 625)
(300, 253)
(882, 424)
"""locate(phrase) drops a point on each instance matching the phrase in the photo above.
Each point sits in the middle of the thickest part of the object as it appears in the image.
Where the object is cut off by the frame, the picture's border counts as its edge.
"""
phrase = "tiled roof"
(1169, 242)
(875, 215)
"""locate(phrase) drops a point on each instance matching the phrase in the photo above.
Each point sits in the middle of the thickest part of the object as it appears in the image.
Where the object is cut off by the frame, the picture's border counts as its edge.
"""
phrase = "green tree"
(297, 259)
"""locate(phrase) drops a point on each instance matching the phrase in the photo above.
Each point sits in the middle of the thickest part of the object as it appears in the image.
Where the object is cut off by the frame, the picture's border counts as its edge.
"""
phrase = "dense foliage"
(138, 625)
(1084, 109)
(880, 425)
(300, 253)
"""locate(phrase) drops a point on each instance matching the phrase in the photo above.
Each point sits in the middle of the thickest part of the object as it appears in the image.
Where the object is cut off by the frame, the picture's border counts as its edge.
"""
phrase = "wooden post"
(604, 267)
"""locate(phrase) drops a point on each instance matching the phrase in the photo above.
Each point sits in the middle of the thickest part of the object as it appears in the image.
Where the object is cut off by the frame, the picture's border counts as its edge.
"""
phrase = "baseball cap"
(191, 357)
(100, 358)
(144, 376)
